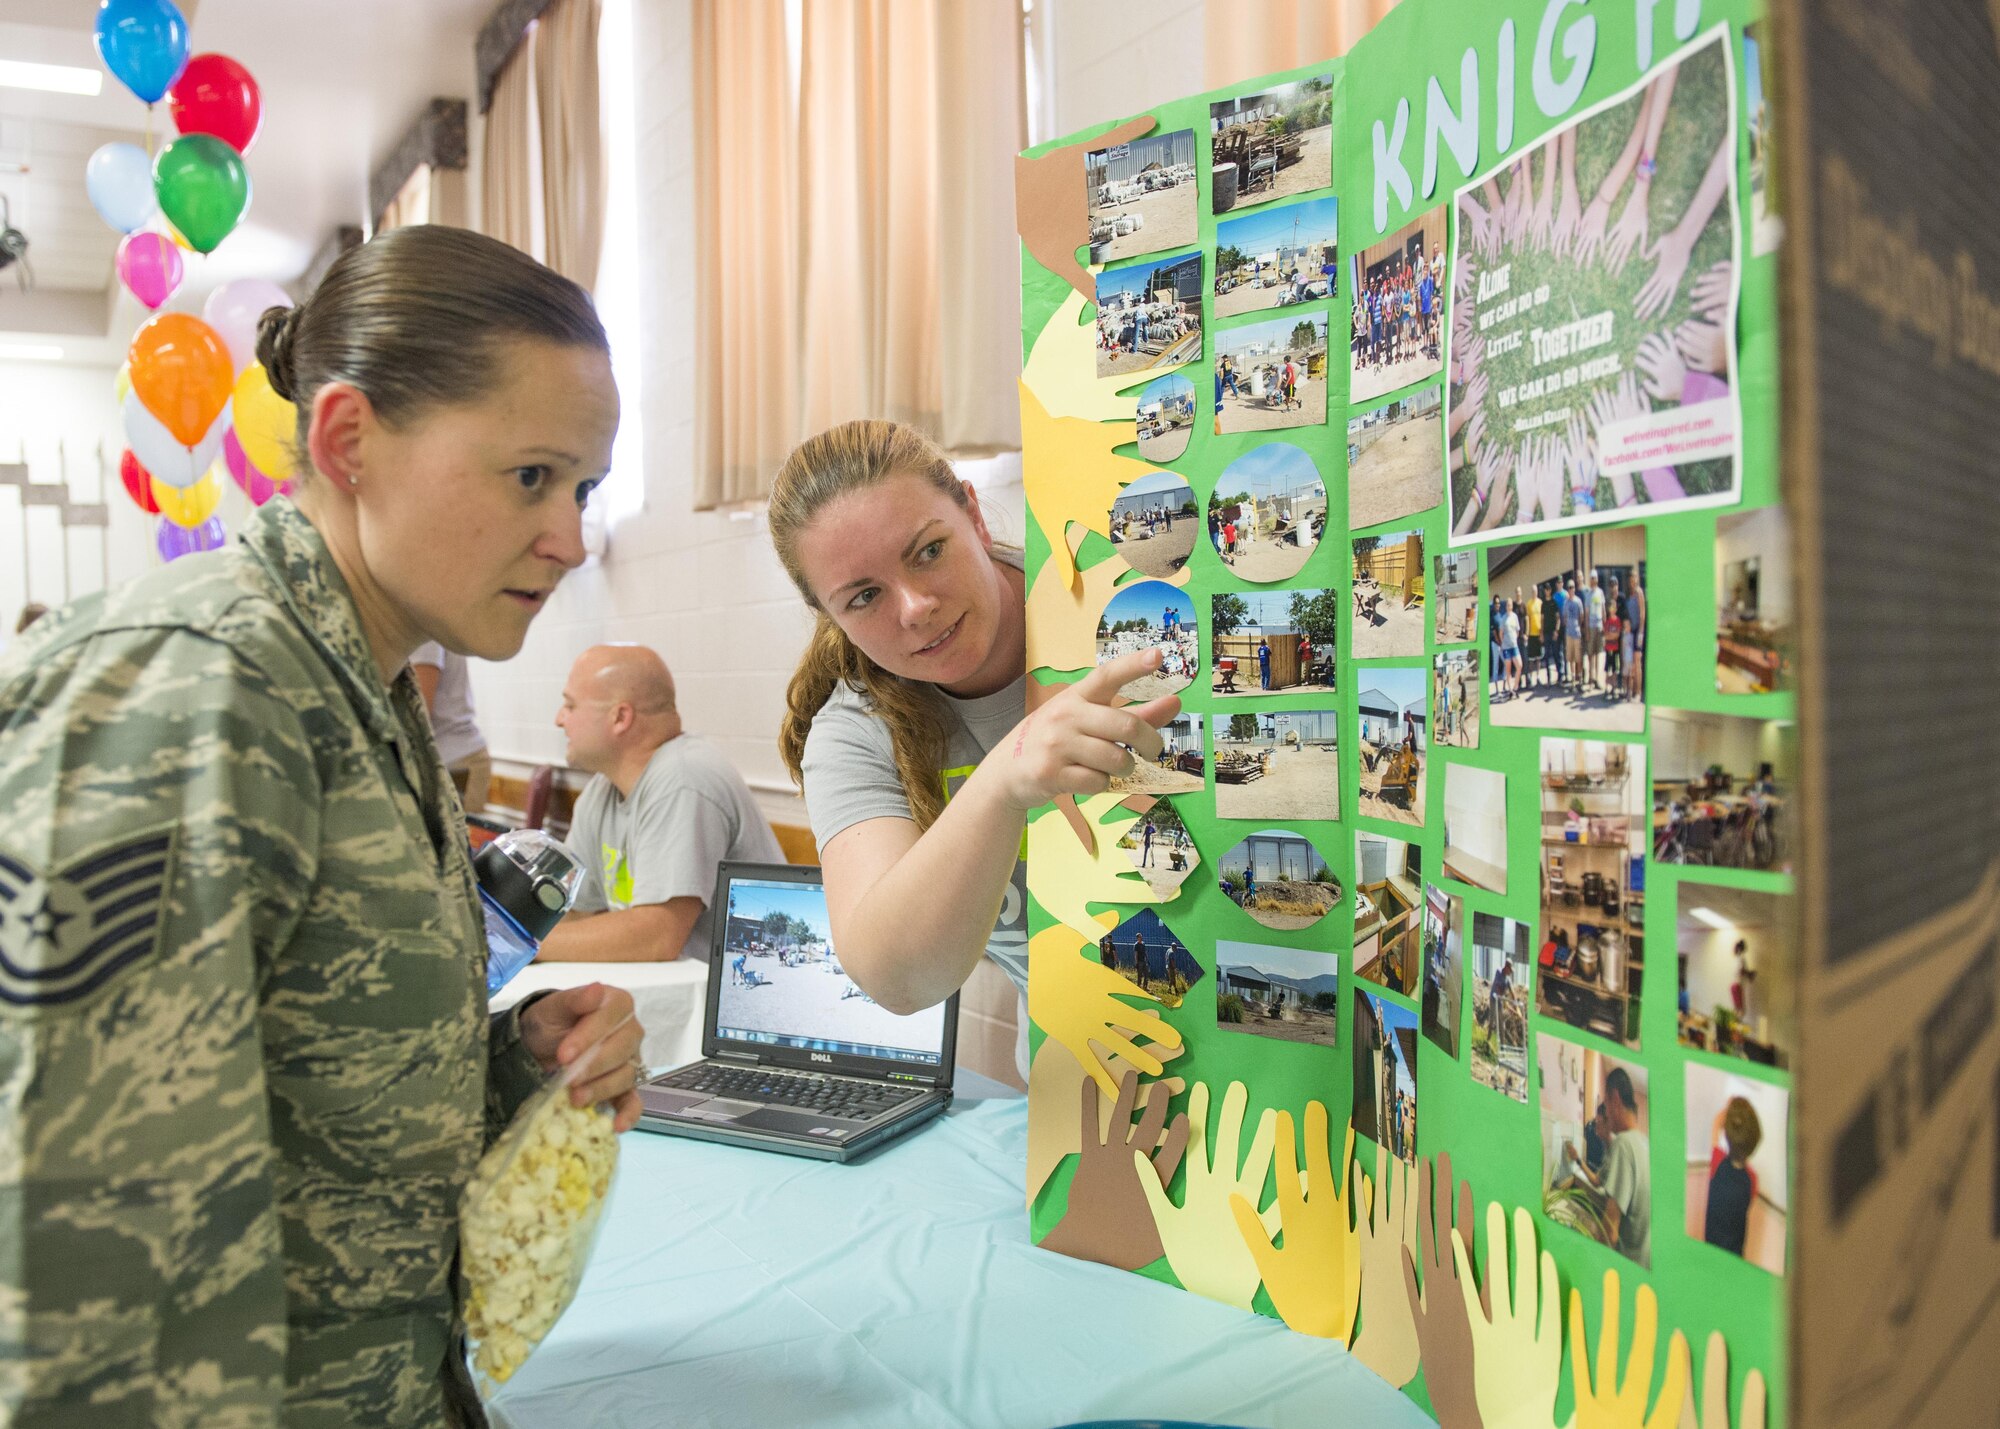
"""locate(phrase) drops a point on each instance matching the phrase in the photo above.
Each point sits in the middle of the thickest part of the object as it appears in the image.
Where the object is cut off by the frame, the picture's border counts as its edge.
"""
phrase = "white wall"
(1109, 60)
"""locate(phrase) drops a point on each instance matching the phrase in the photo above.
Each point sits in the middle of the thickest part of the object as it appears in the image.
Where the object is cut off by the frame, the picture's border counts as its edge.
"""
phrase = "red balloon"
(216, 95)
(138, 483)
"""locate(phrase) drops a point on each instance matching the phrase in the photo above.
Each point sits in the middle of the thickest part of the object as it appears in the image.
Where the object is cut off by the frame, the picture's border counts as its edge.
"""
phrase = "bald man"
(662, 810)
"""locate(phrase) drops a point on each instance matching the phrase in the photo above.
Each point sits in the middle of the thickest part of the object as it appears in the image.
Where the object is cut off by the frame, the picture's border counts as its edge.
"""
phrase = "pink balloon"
(149, 265)
(234, 309)
(245, 473)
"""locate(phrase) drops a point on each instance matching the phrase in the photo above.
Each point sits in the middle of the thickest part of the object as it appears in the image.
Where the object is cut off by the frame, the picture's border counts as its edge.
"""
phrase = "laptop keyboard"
(826, 1095)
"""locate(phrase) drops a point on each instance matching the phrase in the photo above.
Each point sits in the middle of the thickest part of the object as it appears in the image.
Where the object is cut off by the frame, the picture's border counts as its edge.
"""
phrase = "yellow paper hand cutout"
(1062, 373)
(1070, 476)
(1611, 1403)
(1715, 1390)
(1315, 1279)
(1076, 1001)
(1207, 1254)
(1054, 1079)
(1516, 1325)
(1387, 1340)
(1069, 878)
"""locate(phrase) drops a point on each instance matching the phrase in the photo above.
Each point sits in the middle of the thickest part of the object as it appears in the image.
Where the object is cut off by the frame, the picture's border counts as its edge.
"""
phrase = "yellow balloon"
(175, 234)
(122, 384)
(189, 506)
(265, 423)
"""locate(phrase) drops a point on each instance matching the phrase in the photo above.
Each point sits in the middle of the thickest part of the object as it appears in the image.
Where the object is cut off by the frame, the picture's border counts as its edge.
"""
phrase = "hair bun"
(276, 333)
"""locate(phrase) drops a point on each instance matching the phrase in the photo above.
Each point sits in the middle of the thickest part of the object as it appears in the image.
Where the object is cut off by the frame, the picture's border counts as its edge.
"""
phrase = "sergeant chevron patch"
(65, 935)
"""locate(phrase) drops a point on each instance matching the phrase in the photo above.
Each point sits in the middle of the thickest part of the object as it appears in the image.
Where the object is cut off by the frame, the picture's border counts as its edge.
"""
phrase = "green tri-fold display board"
(1422, 408)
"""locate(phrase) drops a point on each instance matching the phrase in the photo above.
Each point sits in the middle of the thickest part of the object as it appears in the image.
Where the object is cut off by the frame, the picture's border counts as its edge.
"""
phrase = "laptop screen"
(782, 984)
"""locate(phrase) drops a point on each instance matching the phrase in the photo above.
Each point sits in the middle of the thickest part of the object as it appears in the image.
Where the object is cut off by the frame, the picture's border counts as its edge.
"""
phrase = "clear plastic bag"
(527, 1223)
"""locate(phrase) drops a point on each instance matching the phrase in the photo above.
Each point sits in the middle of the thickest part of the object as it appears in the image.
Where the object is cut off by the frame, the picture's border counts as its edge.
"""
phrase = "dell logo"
(821, 1057)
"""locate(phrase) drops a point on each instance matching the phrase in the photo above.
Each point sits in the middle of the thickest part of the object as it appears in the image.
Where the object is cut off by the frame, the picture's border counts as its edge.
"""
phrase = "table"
(733, 1287)
(669, 998)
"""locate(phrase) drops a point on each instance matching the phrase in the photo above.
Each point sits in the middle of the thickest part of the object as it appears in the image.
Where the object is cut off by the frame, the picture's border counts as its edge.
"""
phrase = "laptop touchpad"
(721, 1109)
(771, 1118)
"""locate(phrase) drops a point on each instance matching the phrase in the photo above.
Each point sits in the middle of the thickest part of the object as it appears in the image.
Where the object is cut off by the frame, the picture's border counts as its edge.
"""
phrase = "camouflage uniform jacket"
(246, 1065)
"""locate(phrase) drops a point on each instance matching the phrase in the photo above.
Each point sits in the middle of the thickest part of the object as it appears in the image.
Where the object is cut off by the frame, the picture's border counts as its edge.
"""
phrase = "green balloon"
(203, 188)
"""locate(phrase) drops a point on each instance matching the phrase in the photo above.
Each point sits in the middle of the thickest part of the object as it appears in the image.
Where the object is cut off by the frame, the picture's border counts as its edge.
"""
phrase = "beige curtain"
(510, 156)
(1244, 42)
(746, 250)
(572, 138)
(412, 203)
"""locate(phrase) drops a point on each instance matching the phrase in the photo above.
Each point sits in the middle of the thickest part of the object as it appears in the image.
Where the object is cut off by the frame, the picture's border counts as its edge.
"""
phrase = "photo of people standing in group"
(1593, 317)
(1151, 615)
(1149, 316)
(1597, 1161)
(1146, 953)
(1396, 285)
(1566, 632)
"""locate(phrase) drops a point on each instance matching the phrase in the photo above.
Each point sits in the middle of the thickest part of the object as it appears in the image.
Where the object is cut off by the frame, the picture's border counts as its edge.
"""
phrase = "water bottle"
(527, 881)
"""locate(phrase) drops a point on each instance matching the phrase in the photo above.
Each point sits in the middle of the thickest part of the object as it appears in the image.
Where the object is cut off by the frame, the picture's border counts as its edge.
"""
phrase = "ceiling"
(341, 80)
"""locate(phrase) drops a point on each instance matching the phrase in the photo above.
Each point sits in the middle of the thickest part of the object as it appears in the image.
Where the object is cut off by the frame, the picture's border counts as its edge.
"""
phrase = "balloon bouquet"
(195, 401)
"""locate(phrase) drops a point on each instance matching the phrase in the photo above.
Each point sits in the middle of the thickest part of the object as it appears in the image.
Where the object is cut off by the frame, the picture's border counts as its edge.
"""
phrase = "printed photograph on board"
(1178, 770)
(1753, 602)
(1273, 642)
(1151, 615)
(1165, 417)
(1267, 513)
(1475, 826)
(1278, 764)
(1593, 886)
(1566, 632)
(1153, 523)
(1394, 454)
(1444, 967)
(1455, 697)
(1736, 947)
(1286, 994)
(1277, 257)
(1395, 743)
(1149, 317)
(1395, 334)
(1271, 145)
(1271, 375)
(1280, 879)
(1141, 196)
(1593, 320)
(1388, 926)
(1720, 788)
(1388, 595)
(1597, 1164)
(1385, 1075)
(1148, 954)
(1738, 1130)
(1159, 846)
(1455, 596)
(1499, 975)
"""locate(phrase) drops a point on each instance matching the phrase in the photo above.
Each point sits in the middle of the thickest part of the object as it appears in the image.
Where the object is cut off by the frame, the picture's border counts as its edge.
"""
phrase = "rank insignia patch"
(65, 935)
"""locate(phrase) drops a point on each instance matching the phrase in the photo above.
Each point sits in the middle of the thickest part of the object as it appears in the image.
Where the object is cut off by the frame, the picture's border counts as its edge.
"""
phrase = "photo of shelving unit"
(1593, 886)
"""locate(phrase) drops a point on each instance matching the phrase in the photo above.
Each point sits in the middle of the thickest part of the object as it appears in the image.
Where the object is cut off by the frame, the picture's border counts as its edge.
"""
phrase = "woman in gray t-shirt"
(907, 725)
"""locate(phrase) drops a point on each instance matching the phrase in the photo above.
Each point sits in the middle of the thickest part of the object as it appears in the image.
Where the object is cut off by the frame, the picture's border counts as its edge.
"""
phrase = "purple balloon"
(177, 541)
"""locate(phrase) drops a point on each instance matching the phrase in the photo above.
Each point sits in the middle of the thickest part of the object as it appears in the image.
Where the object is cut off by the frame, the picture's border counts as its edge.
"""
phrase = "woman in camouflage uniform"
(245, 1053)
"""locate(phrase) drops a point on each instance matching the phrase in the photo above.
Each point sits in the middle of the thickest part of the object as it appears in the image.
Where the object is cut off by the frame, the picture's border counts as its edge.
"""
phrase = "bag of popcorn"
(527, 1222)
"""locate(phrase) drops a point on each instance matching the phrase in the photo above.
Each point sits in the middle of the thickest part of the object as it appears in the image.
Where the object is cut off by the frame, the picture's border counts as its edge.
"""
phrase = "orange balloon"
(181, 372)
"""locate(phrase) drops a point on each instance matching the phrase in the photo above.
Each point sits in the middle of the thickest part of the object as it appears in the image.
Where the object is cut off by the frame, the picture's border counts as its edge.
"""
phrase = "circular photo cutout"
(1166, 418)
(1151, 615)
(1267, 513)
(1153, 523)
(1280, 879)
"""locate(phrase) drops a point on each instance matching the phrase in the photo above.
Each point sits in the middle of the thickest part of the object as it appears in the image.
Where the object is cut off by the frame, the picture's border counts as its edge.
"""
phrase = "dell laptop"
(795, 1056)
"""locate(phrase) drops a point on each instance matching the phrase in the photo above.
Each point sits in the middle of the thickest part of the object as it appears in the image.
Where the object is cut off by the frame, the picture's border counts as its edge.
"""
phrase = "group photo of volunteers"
(628, 797)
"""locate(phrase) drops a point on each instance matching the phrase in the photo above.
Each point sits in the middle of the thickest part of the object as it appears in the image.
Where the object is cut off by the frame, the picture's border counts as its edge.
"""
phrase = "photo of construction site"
(1394, 744)
(1151, 615)
(1289, 994)
(1388, 893)
(1165, 417)
(1157, 842)
(1444, 968)
(1149, 316)
(1141, 196)
(1271, 375)
(1389, 595)
(1277, 764)
(1178, 770)
(1153, 522)
(1274, 258)
(1273, 144)
(1267, 512)
(1455, 697)
(1455, 596)
(1385, 1075)
(1273, 642)
(1145, 952)
(1395, 453)
(1500, 1005)
(1280, 879)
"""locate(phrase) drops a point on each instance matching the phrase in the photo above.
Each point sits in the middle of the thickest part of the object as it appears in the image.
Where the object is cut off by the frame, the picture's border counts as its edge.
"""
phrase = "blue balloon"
(144, 43)
(119, 180)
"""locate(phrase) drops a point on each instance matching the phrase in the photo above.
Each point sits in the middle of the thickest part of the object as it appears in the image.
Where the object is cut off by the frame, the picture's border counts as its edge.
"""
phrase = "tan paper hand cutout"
(1516, 1325)
(1315, 1279)
(1439, 1308)
(1612, 1402)
(1199, 1235)
(1071, 477)
(1387, 1339)
(1062, 373)
(1108, 1219)
(1069, 877)
(1076, 1001)
(1053, 1080)
(1715, 1390)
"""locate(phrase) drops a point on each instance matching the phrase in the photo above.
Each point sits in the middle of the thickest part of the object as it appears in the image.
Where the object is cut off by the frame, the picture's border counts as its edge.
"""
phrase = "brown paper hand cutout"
(1444, 1326)
(1052, 208)
(1108, 1219)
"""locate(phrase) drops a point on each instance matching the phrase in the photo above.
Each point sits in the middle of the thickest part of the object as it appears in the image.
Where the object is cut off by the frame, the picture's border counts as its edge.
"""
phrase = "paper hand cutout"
(1387, 1342)
(1075, 1000)
(1071, 476)
(1051, 204)
(1053, 1080)
(1061, 371)
(1715, 1390)
(1315, 1279)
(1516, 1332)
(1439, 1309)
(1069, 877)
(1108, 1219)
(1207, 1254)
(1611, 1403)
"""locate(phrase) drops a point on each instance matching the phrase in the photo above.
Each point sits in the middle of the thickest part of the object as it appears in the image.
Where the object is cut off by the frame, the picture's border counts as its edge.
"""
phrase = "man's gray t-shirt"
(689, 811)
(1628, 1180)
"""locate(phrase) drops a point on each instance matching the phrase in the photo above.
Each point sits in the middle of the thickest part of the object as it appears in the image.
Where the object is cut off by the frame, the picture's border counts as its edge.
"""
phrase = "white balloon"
(234, 309)
(162, 454)
(119, 180)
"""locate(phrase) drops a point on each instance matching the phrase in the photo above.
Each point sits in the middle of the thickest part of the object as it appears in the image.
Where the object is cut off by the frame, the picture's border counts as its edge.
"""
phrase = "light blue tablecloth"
(739, 1288)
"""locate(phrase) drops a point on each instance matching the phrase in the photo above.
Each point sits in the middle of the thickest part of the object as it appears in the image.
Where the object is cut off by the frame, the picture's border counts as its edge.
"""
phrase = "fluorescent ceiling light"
(56, 79)
(30, 352)
(1712, 918)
